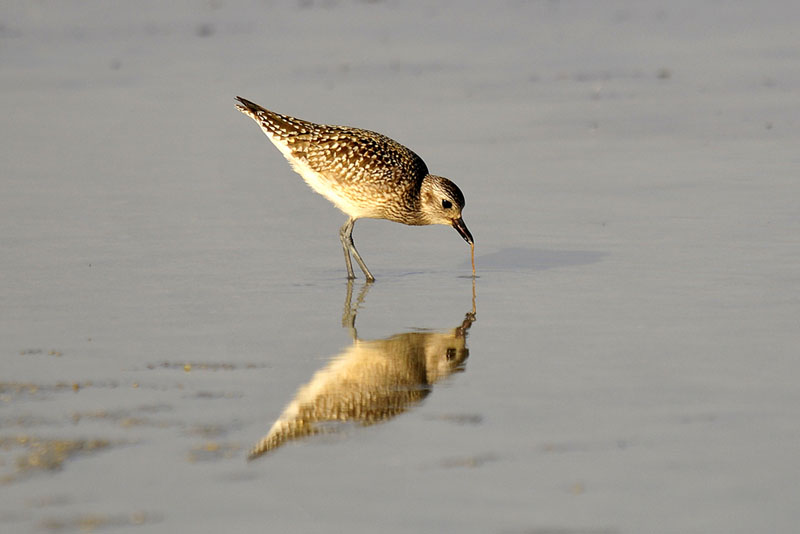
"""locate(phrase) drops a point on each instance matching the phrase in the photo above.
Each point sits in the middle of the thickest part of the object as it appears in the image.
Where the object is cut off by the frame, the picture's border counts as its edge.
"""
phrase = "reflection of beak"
(461, 228)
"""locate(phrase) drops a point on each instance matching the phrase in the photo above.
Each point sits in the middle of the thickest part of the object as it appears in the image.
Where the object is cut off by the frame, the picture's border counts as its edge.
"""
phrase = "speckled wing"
(358, 157)
(367, 174)
(346, 156)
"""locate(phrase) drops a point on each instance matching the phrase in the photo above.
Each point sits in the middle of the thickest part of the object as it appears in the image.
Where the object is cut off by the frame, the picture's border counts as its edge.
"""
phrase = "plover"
(365, 175)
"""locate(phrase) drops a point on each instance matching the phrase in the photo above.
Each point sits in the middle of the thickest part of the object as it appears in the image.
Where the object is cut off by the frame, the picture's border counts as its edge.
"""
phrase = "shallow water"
(170, 287)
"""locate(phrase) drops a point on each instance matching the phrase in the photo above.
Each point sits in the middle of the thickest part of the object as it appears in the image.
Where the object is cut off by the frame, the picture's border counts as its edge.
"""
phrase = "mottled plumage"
(365, 174)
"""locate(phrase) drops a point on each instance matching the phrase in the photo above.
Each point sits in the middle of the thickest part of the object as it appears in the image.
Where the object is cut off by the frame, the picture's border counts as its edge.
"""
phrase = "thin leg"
(346, 235)
(360, 262)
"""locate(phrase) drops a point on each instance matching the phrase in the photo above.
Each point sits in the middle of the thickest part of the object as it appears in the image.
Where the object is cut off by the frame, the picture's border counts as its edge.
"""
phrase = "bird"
(364, 174)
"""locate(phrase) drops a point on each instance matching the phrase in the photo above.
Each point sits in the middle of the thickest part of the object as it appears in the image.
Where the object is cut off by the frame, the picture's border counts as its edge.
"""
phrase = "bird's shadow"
(518, 258)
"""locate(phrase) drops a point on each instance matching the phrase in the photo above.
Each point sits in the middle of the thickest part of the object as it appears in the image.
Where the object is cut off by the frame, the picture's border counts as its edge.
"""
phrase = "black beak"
(461, 228)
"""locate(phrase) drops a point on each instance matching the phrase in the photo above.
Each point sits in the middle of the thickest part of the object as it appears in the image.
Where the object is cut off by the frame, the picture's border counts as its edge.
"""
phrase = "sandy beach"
(173, 294)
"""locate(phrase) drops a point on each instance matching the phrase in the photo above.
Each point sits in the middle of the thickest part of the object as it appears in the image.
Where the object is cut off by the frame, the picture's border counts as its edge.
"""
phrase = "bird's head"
(441, 203)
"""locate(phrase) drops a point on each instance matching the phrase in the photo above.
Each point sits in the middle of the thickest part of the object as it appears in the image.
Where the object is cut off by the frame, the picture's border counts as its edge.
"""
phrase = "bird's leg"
(357, 256)
(346, 233)
(367, 274)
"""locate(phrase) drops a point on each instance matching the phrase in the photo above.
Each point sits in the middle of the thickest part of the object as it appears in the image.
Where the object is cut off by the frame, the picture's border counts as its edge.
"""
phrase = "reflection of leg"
(363, 294)
(346, 235)
(350, 311)
(348, 314)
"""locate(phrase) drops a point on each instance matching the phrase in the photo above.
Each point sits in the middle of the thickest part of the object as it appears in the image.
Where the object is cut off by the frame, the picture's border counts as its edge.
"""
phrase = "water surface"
(170, 287)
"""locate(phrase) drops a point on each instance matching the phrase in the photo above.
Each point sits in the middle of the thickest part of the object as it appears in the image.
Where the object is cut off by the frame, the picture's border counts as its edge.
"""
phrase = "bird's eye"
(446, 204)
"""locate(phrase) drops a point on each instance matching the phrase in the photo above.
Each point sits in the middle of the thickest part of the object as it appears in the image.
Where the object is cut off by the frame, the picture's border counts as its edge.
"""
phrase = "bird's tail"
(272, 123)
(250, 109)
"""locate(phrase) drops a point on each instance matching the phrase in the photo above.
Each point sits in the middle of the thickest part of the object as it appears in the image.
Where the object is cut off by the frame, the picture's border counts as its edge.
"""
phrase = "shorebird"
(365, 175)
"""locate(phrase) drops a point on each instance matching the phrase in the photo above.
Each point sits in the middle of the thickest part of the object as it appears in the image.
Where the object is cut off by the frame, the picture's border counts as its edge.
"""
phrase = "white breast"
(322, 185)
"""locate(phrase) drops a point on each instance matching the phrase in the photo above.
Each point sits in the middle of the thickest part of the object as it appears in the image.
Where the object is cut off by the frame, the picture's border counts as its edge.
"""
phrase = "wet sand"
(171, 288)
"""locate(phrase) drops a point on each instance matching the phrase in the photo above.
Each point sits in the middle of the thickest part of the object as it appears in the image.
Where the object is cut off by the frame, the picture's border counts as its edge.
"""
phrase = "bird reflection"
(371, 381)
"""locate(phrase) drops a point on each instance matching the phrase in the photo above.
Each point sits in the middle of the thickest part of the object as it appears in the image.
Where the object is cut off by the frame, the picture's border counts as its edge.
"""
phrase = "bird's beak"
(461, 228)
